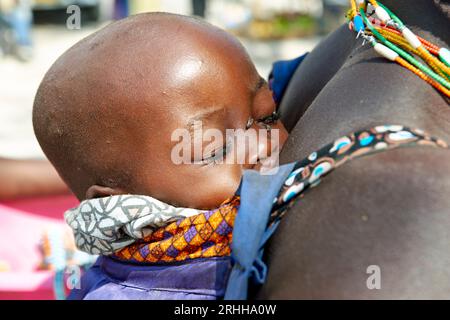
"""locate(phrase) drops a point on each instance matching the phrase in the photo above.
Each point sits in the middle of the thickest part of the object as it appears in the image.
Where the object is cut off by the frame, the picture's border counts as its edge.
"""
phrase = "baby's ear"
(96, 191)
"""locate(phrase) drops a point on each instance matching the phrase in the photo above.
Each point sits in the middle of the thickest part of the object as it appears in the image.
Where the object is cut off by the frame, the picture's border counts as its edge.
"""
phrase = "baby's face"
(114, 110)
(201, 93)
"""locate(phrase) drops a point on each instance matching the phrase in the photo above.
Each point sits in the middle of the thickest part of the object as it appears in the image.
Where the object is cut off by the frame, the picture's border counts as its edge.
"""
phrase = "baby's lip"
(268, 162)
(261, 159)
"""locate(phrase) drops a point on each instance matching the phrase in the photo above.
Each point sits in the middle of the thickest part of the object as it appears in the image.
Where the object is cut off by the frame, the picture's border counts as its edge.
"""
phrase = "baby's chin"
(267, 165)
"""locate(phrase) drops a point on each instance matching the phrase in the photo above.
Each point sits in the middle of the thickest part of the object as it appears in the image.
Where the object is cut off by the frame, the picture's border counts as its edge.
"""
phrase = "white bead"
(444, 54)
(411, 38)
(385, 51)
(382, 14)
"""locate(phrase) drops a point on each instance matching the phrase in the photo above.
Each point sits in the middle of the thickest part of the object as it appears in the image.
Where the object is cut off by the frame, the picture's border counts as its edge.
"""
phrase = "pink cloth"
(50, 206)
(22, 224)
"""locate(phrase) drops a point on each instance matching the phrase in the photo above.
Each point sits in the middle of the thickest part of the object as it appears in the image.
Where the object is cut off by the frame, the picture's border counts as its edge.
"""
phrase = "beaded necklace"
(392, 39)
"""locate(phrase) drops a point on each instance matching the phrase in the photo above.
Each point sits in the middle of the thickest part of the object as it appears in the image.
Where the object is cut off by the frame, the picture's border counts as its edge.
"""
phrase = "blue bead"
(289, 196)
(365, 141)
(358, 23)
(342, 144)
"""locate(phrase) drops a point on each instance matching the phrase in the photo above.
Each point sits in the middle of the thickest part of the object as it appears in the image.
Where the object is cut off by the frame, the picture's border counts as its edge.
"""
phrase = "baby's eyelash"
(217, 155)
(265, 121)
(271, 119)
(268, 120)
(249, 123)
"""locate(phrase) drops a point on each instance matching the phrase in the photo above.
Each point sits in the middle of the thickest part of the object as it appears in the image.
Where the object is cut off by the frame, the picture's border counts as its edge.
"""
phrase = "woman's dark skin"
(390, 209)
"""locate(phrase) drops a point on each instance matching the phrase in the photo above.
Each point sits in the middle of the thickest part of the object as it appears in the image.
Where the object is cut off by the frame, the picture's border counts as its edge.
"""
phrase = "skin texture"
(105, 111)
(301, 90)
(386, 210)
(390, 209)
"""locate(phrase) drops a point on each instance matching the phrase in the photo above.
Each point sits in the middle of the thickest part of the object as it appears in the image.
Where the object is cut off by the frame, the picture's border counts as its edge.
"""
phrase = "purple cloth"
(111, 279)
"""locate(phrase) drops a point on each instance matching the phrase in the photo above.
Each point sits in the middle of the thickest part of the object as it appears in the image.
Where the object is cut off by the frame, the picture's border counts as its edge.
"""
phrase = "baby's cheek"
(219, 184)
(282, 136)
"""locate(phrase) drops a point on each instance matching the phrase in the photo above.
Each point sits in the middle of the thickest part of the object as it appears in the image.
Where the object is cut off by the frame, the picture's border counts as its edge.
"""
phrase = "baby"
(106, 110)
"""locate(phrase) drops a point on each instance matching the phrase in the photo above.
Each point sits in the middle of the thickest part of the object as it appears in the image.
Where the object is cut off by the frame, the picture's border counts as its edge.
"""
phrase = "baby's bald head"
(105, 110)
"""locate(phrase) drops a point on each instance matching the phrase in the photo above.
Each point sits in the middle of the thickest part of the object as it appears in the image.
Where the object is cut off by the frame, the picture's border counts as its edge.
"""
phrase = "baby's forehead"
(142, 63)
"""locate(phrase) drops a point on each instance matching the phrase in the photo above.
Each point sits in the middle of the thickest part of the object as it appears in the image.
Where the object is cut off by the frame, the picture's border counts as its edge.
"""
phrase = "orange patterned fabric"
(205, 235)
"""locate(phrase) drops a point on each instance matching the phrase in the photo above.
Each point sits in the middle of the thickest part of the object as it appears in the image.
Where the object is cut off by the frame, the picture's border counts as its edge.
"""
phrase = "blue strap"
(250, 230)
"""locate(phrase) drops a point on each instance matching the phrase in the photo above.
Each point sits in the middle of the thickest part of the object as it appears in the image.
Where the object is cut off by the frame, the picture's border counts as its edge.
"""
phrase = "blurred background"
(34, 247)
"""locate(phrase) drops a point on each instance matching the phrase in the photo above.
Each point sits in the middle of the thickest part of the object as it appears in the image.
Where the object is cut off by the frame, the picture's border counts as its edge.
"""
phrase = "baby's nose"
(283, 134)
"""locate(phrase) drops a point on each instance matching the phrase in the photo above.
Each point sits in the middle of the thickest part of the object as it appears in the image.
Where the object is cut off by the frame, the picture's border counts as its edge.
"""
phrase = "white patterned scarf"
(106, 225)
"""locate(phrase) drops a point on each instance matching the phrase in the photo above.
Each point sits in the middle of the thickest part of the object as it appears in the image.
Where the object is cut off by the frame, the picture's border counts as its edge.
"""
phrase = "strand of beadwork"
(393, 40)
